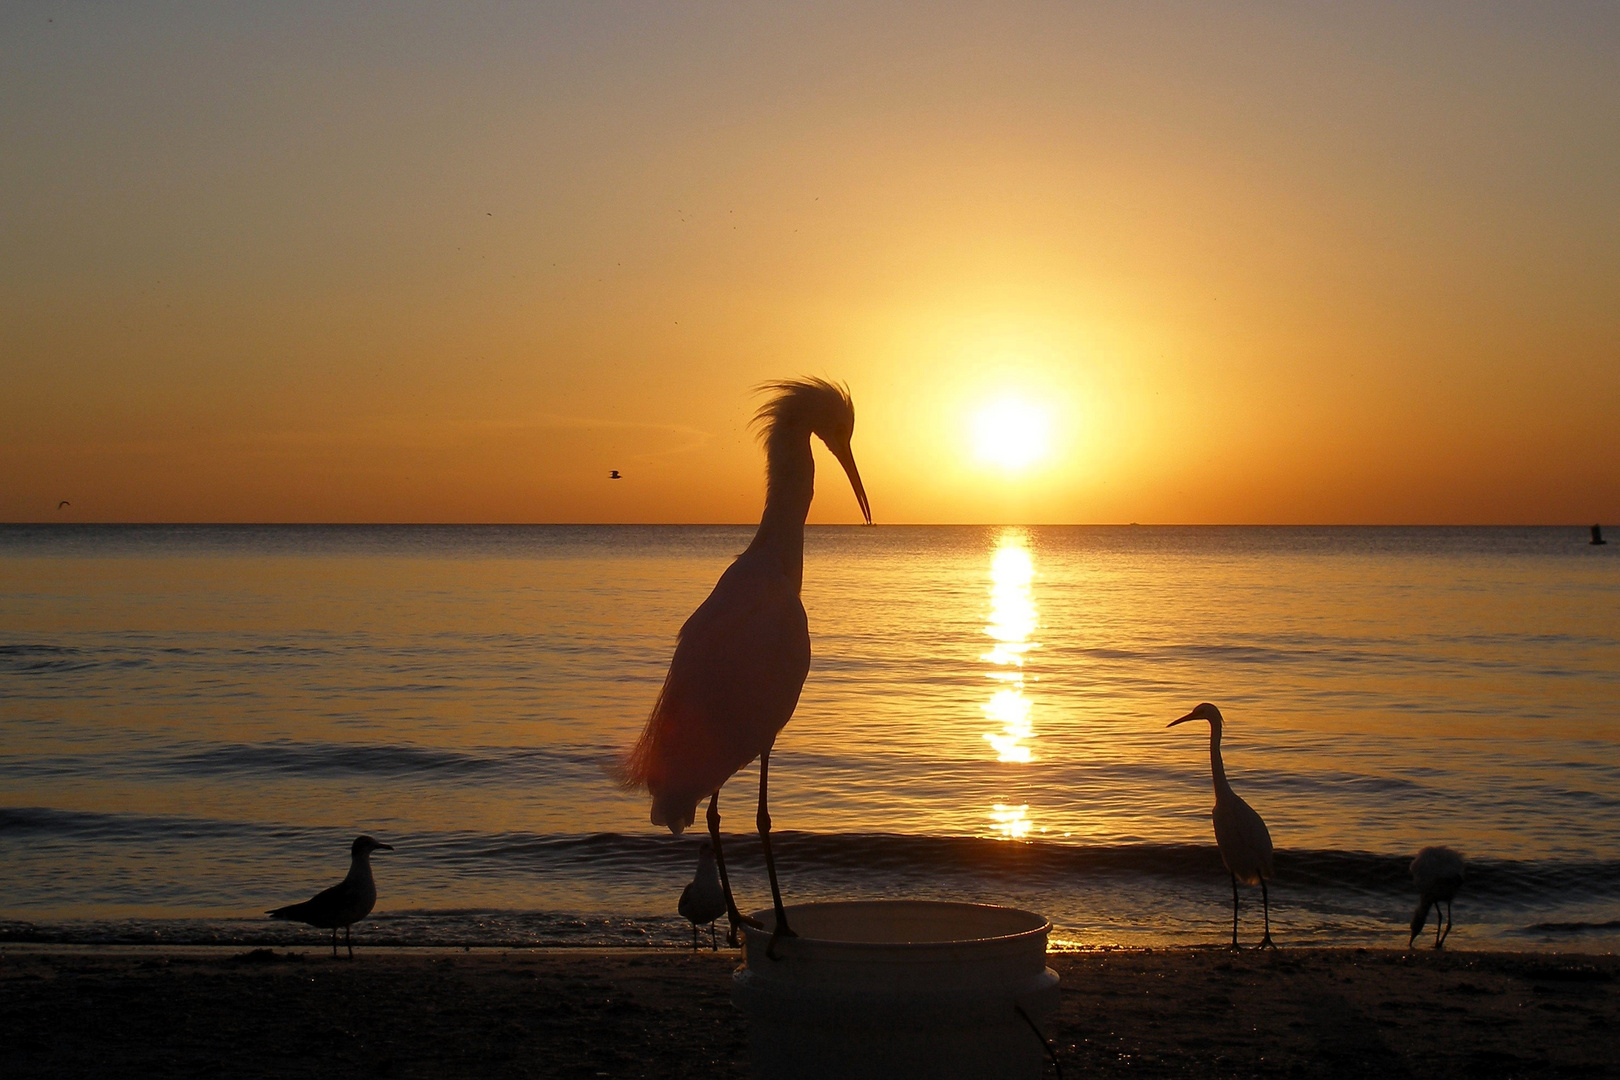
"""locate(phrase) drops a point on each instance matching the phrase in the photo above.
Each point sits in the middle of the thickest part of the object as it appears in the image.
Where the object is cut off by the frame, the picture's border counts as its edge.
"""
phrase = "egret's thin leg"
(733, 916)
(1437, 924)
(348, 944)
(1234, 911)
(1265, 903)
(781, 929)
(1447, 935)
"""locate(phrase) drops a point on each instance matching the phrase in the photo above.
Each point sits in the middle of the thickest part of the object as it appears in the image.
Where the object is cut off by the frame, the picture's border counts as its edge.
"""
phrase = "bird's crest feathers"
(825, 406)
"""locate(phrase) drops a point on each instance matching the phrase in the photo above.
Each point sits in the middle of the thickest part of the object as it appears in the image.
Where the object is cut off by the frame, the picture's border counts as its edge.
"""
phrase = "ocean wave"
(853, 857)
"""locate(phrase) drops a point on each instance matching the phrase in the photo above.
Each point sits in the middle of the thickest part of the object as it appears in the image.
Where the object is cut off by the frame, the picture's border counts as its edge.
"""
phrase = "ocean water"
(195, 721)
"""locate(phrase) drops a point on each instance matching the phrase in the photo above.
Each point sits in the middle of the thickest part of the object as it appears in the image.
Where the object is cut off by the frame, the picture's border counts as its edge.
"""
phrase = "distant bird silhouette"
(345, 903)
(741, 659)
(1242, 837)
(1597, 535)
(703, 900)
(64, 502)
(1438, 872)
(614, 475)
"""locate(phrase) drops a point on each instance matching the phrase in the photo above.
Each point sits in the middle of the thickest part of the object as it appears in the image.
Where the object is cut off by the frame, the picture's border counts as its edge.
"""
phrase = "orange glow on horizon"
(1310, 265)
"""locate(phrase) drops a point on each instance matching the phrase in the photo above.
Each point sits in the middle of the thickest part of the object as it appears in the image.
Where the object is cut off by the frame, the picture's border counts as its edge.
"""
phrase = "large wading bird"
(1240, 834)
(345, 903)
(1438, 872)
(741, 659)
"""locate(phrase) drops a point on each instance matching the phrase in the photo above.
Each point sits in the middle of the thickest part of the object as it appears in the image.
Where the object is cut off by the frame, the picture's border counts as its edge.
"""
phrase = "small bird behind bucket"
(703, 900)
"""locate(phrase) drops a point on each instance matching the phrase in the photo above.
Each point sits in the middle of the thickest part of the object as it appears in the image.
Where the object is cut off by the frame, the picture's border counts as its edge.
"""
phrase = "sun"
(1011, 433)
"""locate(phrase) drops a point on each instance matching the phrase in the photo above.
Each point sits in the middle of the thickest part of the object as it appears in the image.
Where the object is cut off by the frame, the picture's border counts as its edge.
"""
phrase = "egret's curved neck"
(790, 484)
(1217, 768)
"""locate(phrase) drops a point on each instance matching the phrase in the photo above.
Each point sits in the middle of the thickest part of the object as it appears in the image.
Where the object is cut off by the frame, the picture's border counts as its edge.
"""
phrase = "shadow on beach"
(1160, 1013)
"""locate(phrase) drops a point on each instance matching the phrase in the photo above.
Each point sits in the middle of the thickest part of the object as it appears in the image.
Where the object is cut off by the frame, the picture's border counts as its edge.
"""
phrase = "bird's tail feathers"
(291, 911)
(634, 769)
(659, 754)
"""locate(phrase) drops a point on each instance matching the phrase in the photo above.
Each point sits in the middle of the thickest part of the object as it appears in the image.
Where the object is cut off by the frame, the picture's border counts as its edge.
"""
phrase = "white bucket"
(898, 988)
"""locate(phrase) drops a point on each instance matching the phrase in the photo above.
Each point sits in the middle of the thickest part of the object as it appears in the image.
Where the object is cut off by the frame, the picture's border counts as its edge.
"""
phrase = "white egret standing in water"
(741, 659)
(1438, 872)
(1240, 834)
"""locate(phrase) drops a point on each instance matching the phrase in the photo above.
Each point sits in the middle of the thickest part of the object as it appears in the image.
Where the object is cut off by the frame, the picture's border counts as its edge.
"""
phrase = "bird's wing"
(733, 683)
(1244, 840)
(337, 906)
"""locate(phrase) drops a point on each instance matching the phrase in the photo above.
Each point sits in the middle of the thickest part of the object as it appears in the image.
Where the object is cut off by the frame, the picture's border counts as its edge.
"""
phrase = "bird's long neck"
(359, 868)
(1217, 768)
(790, 484)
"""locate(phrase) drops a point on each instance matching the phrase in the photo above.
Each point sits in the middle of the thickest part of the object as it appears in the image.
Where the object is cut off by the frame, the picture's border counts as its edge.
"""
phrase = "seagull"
(345, 903)
(614, 475)
(1438, 872)
(1242, 837)
(703, 900)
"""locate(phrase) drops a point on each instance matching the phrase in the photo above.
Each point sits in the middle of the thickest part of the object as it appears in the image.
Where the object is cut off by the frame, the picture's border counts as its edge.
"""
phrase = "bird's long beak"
(846, 458)
(1183, 720)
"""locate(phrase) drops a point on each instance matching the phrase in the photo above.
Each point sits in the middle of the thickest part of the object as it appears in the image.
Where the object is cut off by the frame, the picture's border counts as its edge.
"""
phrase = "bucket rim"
(767, 917)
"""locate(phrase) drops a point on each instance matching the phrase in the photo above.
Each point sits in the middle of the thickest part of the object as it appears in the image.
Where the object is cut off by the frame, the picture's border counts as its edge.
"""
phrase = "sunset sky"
(408, 262)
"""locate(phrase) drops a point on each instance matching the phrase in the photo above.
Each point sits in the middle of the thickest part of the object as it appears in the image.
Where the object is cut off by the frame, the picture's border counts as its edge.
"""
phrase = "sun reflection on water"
(1012, 622)
(1010, 821)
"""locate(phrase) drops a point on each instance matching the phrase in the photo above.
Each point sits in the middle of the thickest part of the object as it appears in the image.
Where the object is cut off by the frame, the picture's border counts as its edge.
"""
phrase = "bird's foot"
(737, 920)
(781, 930)
(1267, 943)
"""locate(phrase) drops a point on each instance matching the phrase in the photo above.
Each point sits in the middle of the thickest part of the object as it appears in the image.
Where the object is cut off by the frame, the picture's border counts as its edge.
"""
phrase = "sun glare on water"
(1011, 433)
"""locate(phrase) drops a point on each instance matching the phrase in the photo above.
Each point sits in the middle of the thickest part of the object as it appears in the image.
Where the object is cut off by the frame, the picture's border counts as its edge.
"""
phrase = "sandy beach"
(67, 1012)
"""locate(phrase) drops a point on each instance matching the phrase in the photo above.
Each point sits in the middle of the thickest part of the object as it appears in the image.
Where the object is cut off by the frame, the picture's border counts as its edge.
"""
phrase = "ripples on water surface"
(196, 720)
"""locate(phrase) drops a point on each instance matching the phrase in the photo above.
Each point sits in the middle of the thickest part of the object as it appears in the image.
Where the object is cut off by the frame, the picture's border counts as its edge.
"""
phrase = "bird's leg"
(1265, 904)
(694, 937)
(1447, 934)
(348, 943)
(781, 929)
(334, 943)
(1437, 924)
(714, 942)
(1234, 911)
(733, 916)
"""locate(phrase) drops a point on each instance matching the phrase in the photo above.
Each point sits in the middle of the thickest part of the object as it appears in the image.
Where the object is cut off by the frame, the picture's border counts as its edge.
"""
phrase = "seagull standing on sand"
(741, 659)
(1438, 872)
(703, 900)
(1242, 837)
(345, 903)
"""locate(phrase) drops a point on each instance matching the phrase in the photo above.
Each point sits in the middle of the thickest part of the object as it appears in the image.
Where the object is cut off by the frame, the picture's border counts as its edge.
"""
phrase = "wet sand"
(1183, 1013)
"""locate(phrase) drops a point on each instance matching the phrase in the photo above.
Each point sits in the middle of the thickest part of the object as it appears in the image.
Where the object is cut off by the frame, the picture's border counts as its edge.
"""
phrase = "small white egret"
(741, 659)
(1438, 872)
(703, 900)
(1240, 834)
(345, 903)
